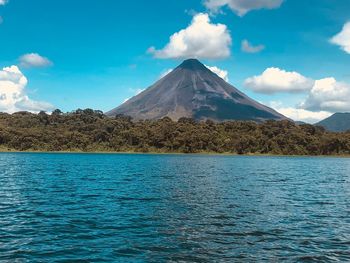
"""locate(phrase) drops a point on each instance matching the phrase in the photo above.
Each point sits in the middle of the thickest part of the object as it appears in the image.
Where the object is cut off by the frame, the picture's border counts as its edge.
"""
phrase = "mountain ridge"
(338, 122)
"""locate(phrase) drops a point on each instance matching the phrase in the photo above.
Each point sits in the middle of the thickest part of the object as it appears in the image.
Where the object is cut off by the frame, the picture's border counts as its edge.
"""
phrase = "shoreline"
(2, 151)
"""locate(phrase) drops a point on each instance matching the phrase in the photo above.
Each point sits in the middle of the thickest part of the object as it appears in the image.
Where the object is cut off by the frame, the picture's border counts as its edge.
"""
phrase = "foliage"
(89, 130)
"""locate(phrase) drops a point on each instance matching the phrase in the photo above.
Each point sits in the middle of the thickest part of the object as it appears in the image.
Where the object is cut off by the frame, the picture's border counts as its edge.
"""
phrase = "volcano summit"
(192, 90)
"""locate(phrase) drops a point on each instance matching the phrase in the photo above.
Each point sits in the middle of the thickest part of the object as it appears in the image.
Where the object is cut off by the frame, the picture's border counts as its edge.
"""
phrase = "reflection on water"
(160, 208)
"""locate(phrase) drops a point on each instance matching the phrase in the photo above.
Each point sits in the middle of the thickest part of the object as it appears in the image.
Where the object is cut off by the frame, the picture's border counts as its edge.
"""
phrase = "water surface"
(173, 208)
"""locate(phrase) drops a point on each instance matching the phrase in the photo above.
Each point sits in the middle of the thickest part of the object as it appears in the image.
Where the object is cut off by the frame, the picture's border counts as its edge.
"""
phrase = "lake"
(173, 208)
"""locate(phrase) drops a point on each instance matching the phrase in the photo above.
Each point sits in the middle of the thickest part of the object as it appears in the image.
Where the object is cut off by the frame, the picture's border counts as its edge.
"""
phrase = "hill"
(338, 122)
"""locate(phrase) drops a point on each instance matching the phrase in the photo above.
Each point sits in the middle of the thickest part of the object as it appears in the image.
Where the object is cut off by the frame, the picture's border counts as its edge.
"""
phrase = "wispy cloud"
(249, 48)
(218, 71)
(34, 60)
(242, 7)
(135, 92)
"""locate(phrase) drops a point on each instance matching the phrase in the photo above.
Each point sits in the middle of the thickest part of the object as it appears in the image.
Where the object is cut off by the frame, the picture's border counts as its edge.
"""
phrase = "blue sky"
(94, 53)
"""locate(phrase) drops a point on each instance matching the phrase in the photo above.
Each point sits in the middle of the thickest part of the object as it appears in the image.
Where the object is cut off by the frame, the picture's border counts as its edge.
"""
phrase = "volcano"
(192, 90)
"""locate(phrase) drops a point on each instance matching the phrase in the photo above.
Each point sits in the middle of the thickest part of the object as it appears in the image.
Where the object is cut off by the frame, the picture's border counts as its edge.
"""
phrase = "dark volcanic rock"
(192, 90)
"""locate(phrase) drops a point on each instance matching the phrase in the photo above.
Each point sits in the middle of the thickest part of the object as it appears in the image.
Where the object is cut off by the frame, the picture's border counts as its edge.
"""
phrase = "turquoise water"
(173, 208)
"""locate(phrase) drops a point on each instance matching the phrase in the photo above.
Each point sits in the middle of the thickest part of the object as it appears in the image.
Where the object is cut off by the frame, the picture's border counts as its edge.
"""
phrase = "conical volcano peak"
(194, 91)
(192, 64)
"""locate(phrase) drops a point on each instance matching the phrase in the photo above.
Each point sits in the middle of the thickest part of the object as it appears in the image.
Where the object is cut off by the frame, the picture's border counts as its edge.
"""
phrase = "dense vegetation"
(89, 130)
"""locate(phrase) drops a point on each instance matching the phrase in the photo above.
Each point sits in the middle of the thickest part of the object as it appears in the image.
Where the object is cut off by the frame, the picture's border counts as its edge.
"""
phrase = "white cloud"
(136, 92)
(249, 48)
(274, 80)
(343, 38)
(13, 95)
(328, 95)
(325, 96)
(242, 7)
(304, 115)
(298, 114)
(165, 72)
(2, 2)
(220, 72)
(201, 39)
(34, 60)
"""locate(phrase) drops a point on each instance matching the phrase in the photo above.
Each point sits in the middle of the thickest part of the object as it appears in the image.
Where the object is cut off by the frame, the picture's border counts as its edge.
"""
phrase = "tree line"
(91, 131)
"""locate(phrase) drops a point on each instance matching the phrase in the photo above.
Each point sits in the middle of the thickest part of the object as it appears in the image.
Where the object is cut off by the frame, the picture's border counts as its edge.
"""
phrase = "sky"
(292, 55)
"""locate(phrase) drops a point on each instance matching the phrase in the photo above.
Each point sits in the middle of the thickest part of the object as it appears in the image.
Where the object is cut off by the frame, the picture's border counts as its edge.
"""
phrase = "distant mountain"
(338, 122)
(192, 90)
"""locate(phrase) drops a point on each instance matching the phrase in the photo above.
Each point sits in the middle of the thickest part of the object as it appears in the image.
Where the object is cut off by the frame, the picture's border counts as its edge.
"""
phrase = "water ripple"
(173, 208)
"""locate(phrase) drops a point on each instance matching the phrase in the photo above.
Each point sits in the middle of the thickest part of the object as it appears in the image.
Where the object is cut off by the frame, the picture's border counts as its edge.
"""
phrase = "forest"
(91, 131)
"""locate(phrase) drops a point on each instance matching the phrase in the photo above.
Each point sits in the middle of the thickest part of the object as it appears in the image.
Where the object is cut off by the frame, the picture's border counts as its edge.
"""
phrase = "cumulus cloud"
(324, 96)
(220, 72)
(249, 48)
(201, 39)
(328, 95)
(298, 114)
(342, 39)
(242, 7)
(13, 95)
(34, 60)
(304, 115)
(274, 80)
